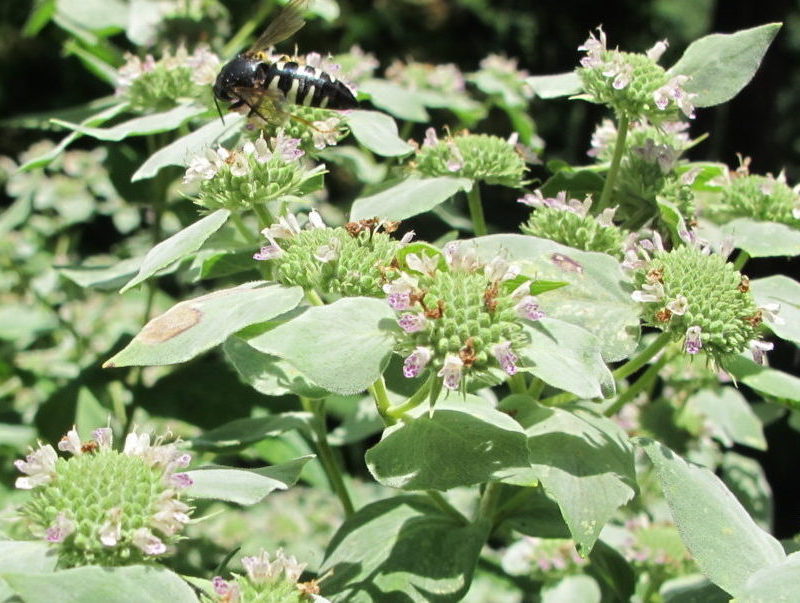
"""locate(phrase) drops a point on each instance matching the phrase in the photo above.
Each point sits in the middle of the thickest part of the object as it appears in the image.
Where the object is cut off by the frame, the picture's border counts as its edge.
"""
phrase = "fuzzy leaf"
(556, 85)
(567, 357)
(196, 325)
(763, 239)
(401, 549)
(765, 380)
(181, 151)
(746, 479)
(730, 417)
(596, 299)
(178, 246)
(378, 132)
(26, 556)
(781, 290)
(91, 584)
(139, 126)
(105, 278)
(720, 65)
(242, 432)
(584, 461)
(410, 197)
(343, 347)
(245, 487)
(714, 526)
(776, 584)
(465, 442)
(395, 99)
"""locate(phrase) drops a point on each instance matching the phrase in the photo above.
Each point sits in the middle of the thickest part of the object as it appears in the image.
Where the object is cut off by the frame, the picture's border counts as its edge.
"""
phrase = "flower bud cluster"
(699, 297)
(474, 156)
(357, 64)
(545, 559)
(152, 85)
(255, 174)
(267, 580)
(103, 507)
(568, 221)
(422, 77)
(501, 73)
(763, 198)
(655, 546)
(352, 260)
(459, 316)
(633, 85)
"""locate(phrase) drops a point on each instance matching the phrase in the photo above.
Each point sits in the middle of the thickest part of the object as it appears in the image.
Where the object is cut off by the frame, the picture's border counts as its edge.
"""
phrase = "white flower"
(451, 372)
(39, 465)
(71, 442)
(657, 50)
(148, 543)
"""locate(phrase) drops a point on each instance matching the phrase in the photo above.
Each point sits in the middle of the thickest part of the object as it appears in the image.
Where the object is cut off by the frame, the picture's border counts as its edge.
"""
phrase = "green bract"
(475, 156)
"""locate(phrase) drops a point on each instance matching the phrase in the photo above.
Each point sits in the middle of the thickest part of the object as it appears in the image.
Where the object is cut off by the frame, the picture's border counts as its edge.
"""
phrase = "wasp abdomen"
(306, 85)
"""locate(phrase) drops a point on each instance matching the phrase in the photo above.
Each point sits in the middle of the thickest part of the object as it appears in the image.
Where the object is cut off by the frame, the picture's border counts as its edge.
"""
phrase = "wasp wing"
(283, 26)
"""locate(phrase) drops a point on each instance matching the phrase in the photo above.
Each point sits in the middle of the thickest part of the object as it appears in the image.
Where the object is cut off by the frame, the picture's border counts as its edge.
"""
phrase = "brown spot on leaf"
(171, 323)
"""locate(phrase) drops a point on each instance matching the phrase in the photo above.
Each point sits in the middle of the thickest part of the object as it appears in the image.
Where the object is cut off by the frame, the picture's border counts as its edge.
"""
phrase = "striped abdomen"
(305, 85)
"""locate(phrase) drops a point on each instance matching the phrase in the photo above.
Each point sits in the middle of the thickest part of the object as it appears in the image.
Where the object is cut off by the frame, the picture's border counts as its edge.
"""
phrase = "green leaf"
(746, 479)
(40, 16)
(401, 549)
(763, 239)
(106, 277)
(196, 325)
(181, 151)
(730, 417)
(720, 65)
(244, 487)
(694, 588)
(139, 126)
(567, 357)
(556, 85)
(343, 347)
(766, 381)
(584, 461)
(779, 289)
(26, 556)
(91, 584)
(178, 246)
(536, 514)
(779, 583)
(714, 526)
(95, 14)
(597, 298)
(22, 323)
(572, 588)
(359, 418)
(378, 132)
(268, 374)
(395, 99)
(576, 182)
(242, 432)
(361, 163)
(410, 197)
(94, 120)
(465, 442)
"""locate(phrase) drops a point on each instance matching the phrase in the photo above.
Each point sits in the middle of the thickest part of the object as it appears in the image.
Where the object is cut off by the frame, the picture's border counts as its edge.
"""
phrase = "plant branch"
(613, 170)
(476, 210)
(634, 364)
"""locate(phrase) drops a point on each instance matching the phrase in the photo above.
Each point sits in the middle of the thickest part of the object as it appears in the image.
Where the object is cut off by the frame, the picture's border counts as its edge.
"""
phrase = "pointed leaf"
(91, 584)
(245, 487)
(178, 246)
(409, 198)
(343, 347)
(462, 444)
(746, 479)
(596, 299)
(776, 584)
(730, 417)
(241, 432)
(401, 549)
(567, 357)
(395, 99)
(584, 461)
(556, 85)
(106, 277)
(720, 65)
(763, 239)
(765, 380)
(139, 126)
(182, 150)
(713, 524)
(196, 325)
(781, 290)
(378, 132)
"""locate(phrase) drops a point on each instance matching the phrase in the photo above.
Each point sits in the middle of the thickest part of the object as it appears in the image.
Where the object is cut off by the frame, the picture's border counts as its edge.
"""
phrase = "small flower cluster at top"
(459, 315)
(543, 558)
(699, 297)
(357, 64)
(569, 222)
(501, 75)
(106, 507)
(157, 85)
(634, 85)
(416, 76)
(267, 580)
(255, 174)
(352, 260)
(475, 156)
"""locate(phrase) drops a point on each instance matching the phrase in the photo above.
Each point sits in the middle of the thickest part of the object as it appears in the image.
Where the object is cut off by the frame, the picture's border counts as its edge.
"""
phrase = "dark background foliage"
(762, 122)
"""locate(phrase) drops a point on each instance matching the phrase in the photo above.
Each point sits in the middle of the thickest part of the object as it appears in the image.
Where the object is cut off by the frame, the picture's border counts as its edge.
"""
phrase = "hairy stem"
(619, 150)
(399, 411)
(441, 502)
(381, 397)
(642, 383)
(476, 210)
(637, 362)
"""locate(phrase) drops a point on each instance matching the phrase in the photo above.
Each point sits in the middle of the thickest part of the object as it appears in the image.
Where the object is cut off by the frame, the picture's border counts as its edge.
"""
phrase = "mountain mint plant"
(448, 345)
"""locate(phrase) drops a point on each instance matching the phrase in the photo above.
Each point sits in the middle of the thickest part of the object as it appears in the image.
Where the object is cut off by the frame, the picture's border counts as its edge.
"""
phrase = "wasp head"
(242, 72)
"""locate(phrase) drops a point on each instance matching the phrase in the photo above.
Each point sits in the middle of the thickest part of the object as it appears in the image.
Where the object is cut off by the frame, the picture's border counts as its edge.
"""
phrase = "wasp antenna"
(222, 119)
(253, 109)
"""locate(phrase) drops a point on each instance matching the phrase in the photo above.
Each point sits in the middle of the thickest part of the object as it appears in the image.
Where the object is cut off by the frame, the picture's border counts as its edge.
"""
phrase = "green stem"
(741, 260)
(517, 385)
(486, 509)
(476, 210)
(441, 502)
(619, 151)
(399, 411)
(246, 30)
(381, 397)
(558, 399)
(644, 381)
(536, 388)
(265, 218)
(248, 235)
(634, 364)
(325, 453)
(313, 298)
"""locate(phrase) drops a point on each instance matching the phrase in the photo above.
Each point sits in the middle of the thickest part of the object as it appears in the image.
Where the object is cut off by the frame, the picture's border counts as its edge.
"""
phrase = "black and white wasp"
(255, 80)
